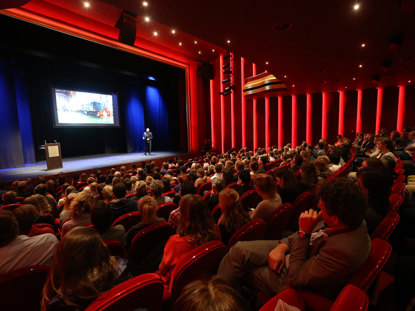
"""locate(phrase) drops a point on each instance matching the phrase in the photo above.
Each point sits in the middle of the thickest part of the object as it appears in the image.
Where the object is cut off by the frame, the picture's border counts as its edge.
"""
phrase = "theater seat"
(10, 207)
(216, 213)
(22, 289)
(164, 210)
(206, 186)
(128, 220)
(232, 185)
(143, 292)
(41, 228)
(201, 262)
(277, 222)
(386, 227)
(304, 202)
(250, 199)
(395, 202)
(253, 230)
(116, 248)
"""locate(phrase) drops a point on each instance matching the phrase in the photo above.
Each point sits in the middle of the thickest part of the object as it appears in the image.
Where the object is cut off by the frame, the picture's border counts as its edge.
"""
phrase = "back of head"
(148, 208)
(343, 198)
(26, 215)
(290, 180)
(378, 187)
(265, 183)
(119, 190)
(40, 202)
(101, 216)
(9, 197)
(157, 188)
(8, 227)
(245, 177)
(187, 187)
(82, 203)
(41, 189)
(218, 168)
(227, 176)
(213, 294)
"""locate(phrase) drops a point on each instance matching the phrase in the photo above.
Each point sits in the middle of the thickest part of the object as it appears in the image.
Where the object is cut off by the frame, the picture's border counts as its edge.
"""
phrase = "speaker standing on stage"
(147, 137)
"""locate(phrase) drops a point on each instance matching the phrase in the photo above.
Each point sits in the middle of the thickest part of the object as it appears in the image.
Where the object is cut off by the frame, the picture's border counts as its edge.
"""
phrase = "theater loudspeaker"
(126, 24)
(206, 70)
(8, 4)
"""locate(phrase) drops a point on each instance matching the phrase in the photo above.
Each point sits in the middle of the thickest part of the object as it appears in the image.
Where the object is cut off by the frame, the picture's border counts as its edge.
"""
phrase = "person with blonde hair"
(107, 193)
(202, 178)
(44, 209)
(267, 189)
(157, 188)
(148, 209)
(233, 214)
(322, 167)
(80, 207)
(75, 281)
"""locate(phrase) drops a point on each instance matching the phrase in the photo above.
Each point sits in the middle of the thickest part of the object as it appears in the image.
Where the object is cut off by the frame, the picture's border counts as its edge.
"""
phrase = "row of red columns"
(325, 108)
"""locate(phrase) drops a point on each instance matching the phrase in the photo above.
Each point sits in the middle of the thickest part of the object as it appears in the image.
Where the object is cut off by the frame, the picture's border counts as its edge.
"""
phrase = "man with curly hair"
(330, 245)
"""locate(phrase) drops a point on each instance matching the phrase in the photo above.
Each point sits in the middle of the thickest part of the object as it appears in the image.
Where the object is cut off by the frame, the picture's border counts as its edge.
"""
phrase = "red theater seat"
(128, 220)
(216, 213)
(253, 230)
(304, 202)
(116, 248)
(206, 186)
(11, 207)
(22, 289)
(278, 221)
(143, 292)
(41, 228)
(232, 185)
(250, 199)
(164, 210)
(386, 227)
(395, 202)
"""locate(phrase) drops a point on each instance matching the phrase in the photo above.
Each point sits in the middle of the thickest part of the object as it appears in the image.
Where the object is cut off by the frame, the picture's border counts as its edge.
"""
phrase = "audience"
(121, 205)
(288, 186)
(157, 189)
(81, 207)
(267, 189)
(101, 218)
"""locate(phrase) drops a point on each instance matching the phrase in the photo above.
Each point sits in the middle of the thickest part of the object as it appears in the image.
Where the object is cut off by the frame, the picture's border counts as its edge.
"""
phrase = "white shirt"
(26, 251)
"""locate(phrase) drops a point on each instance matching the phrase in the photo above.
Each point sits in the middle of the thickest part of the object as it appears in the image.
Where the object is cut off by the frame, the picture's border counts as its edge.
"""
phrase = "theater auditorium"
(207, 155)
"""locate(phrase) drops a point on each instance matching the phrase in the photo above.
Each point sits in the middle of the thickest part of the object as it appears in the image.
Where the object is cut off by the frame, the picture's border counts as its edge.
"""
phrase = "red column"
(359, 111)
(324, 117)
(222, 106)
(233, 104)
(309, 131)
(280, 120)
(379, 109)
(401, 109)
(342, 105)
(267, 128)
(212, 115)
(243, 103)
(254, 114)
(192, 115)
(294, 121)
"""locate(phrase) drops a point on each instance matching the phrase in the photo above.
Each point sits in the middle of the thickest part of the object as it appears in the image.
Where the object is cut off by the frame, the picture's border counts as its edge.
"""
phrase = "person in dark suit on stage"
(147, 137)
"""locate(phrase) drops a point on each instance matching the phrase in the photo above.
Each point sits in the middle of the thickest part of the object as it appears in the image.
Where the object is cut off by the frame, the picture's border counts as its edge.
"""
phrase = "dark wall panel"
(350, 114)
(301, 118)
(287, 112)
(369, 105)
(390, 108)
(332, 116)
(273, 121)
(316, 100)
(261, 122)
(409, 119)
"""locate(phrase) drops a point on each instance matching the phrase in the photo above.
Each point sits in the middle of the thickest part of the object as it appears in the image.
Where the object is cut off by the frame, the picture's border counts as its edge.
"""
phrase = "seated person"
(202, 178)
(157, 188)
(9, 197)
(217, 186)
(75, 281)
(81, 207)
(233, 214)
(148, 208)
(18, 251)
(267, 189)
(122, 205)
(44, 209)
(66, 210)
(244, 182)
(26, 216)
(288, 185)
(309, 177)
(322, 167)
(196, 226)
(101, 218)
(328, 248)
(140, 190)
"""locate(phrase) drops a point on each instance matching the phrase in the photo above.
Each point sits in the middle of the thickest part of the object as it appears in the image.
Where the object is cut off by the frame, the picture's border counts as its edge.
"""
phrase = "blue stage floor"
(80, 164)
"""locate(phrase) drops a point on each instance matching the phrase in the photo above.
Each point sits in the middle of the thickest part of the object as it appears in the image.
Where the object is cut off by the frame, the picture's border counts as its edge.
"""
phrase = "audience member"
(80, 208)
(101, 218)
(288, 185)
(121, 205)
(267, 189)
(157, 188)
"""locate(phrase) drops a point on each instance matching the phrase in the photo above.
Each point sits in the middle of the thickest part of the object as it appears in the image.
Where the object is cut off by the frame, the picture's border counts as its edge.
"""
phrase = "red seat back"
(253, 230)
(398, 188)
(170, 194)
(395, 201)
(278, 222)
(374, 264)
(351, 298)
(128, 220)
(206, 186)
(304, 202)
(143, 292)
(400, 178)
(22, 289)
(10, 207)
(250, 199)
(216, 213)
(41, 228)
(385, 228)
(116, 248)
(232, 185)
(207, 195)
(164, 210)
(148, 245)
(198, 263)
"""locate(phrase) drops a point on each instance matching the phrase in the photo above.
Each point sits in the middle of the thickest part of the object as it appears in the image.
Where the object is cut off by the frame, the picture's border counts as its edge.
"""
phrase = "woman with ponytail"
(233, 214)
(148, 208)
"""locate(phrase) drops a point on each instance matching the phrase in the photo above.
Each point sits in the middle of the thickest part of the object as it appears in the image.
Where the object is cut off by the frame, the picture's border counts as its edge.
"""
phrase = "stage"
(83, 163)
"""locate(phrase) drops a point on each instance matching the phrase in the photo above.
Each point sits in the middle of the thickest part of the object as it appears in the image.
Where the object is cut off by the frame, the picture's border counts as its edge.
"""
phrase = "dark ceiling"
(319, 51)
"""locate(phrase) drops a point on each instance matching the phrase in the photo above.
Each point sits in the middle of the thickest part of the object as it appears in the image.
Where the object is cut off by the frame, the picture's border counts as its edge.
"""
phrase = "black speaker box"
(126, 24)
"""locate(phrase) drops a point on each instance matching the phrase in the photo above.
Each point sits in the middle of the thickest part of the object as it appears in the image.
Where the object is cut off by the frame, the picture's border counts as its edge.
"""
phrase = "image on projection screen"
(83, 108)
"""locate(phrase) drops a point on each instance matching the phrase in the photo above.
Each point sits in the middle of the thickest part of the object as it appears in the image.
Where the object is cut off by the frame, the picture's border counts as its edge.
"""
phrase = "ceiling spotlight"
(285, 76)
(200, 52)
(409, 81)
(228, 41)
(180, 43)
(195, 42)
(360, 66)
(354, 79)
(213, 50)
(147, 19)
(356, 7)
(293, 85)
(345, 87)
(266, 63)
(145, 3)
(363, 45)
(86, 4)
(173, 31)
(155, 33)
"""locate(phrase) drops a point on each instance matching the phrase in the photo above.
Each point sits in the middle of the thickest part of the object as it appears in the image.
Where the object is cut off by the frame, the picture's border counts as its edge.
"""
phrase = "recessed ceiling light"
(363, 45)
(147, 19)
(86, 4)
(354, 78)
(409, 81)
(293, 85)
(155, 33)
(285, 76)
(195, 42)
(345, 87)
(356, 7)
(266, 63)
(173, 31)
(213, 50)
(228, 41)
(360, 66)
(200, 52)
(145, 3)
(180, 43)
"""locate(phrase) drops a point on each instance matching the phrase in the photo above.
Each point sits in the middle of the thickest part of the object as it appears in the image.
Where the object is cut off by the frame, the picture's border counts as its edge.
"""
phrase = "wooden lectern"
(53, 156)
